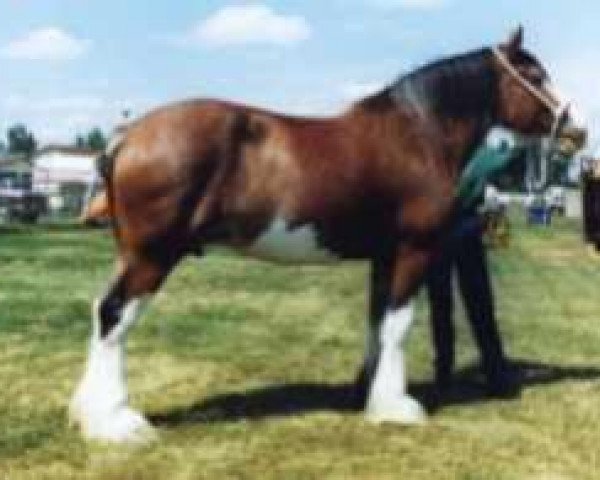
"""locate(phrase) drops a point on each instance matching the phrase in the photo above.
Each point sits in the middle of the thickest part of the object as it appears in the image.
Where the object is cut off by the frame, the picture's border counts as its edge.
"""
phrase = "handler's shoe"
(503, 381)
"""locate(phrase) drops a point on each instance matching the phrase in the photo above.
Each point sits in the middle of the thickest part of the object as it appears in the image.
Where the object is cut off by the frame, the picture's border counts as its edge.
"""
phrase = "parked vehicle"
(22, 205)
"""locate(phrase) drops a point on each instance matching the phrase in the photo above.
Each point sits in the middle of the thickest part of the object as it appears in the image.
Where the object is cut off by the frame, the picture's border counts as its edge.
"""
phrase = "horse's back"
(213, 171)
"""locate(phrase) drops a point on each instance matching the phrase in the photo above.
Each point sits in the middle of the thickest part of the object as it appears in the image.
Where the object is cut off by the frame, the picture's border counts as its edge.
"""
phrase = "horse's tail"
(105, 163)
(97, 211)
(100, 208)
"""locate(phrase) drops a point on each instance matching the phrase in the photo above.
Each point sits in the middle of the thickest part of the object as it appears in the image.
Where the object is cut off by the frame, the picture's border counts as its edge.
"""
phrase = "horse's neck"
(455, 110)
(461, 139)
(449, 140)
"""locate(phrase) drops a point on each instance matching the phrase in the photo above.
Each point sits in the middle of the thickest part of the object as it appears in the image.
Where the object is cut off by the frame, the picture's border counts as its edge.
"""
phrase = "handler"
(466, 254)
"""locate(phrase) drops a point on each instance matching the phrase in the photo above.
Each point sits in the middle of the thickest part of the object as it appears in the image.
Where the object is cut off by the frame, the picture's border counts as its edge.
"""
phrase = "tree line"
(20, 140)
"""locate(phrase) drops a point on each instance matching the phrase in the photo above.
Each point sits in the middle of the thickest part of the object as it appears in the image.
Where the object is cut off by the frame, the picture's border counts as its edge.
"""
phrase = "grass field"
(244, 367)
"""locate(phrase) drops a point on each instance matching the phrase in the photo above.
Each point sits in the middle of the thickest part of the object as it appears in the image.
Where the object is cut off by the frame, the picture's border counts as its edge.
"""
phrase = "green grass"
(243, 367)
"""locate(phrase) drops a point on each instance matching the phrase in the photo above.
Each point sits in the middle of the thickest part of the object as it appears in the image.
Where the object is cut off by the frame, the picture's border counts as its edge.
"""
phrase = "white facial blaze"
(100, 401)
(388, 400)
(298, 245)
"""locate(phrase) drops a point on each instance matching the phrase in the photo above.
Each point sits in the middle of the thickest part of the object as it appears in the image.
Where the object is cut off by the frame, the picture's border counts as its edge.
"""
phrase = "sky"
(69, 65)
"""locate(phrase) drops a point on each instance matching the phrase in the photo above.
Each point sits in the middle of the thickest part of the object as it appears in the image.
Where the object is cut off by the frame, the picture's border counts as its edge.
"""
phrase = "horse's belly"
(280, 243)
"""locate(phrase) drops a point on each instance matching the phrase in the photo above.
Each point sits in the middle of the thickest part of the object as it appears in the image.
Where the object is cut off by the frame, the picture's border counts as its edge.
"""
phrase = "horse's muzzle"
(572, 139)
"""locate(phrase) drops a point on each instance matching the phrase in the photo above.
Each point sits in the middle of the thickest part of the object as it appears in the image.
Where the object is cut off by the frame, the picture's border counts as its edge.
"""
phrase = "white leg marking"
(99, 404)
(371, 348)
(388, 400)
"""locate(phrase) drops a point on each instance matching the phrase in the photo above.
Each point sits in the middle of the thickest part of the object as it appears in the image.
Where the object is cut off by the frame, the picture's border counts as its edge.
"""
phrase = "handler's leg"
(100, 404)
(388, 399)
(476, 290)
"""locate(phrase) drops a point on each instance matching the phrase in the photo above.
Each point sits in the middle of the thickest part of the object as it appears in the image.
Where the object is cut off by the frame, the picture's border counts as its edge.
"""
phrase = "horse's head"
(527, 104)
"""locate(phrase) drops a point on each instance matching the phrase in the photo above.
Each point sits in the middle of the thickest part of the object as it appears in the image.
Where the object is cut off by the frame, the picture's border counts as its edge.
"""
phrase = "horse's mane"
(453, 87)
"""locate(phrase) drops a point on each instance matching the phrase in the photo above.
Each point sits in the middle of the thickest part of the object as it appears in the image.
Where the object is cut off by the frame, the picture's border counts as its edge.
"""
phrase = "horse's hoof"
(404, 410)
(122, 425)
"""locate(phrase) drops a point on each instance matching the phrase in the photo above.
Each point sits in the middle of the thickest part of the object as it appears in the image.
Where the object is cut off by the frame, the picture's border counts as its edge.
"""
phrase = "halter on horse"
(561, 115)
(375, 183)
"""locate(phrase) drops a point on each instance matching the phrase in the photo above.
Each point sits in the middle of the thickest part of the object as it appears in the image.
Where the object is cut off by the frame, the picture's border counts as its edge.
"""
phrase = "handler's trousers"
(467, 256)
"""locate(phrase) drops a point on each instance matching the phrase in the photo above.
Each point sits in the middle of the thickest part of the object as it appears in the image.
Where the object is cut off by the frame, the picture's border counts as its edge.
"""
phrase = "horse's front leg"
(394, 281)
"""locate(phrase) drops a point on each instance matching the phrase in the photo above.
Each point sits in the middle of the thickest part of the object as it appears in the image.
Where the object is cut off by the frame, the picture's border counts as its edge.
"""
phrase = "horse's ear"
(515, 41)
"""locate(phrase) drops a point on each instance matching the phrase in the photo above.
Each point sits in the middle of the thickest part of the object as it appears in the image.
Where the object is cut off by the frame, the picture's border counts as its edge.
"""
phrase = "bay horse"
(375, 183)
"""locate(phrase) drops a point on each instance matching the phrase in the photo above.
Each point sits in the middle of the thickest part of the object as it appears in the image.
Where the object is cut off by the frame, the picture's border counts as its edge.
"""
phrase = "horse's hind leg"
(100, 404)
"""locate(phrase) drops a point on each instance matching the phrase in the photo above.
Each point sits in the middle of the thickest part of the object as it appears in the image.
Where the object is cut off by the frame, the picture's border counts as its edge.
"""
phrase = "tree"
(20, 140)
(93, 140)
(96, 140)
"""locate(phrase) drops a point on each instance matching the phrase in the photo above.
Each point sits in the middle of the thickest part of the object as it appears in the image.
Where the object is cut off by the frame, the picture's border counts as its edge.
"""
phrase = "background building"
(66, 175)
